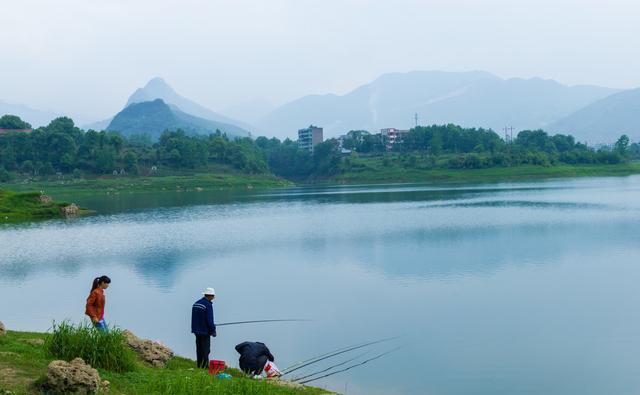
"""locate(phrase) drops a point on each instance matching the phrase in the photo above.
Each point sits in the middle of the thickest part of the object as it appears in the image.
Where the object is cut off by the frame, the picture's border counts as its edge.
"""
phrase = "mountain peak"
(157, 82)
(156, 88)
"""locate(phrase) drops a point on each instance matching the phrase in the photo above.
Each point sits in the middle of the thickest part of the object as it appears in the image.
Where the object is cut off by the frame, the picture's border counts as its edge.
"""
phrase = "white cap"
(209, 291)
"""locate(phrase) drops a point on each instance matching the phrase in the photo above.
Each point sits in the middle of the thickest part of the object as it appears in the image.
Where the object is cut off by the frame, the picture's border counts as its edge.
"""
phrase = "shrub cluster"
(100, 349)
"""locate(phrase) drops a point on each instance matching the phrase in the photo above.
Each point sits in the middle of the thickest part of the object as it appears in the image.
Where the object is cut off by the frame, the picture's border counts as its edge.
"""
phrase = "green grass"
(368, 170)
(23, 365)
(23, 206)
(219, 178)
(100, 349)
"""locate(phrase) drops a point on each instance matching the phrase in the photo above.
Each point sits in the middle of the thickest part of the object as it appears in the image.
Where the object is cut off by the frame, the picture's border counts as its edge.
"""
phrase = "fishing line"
(330, 354)
(352, 366)
(330, 367)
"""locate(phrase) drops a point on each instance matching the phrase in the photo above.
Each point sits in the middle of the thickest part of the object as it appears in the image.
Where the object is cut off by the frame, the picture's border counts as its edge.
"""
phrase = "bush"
(5, 176)
(100, 349)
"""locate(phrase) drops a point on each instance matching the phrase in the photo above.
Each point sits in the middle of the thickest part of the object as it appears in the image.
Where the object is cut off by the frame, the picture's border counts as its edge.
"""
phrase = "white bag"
(271, 370)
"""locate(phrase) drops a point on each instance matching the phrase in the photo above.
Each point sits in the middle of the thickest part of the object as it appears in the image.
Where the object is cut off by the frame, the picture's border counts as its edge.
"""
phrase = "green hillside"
(154, 117)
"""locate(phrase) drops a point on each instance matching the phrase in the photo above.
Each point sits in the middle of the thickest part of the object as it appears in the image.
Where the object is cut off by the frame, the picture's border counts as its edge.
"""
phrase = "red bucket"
(216, 366)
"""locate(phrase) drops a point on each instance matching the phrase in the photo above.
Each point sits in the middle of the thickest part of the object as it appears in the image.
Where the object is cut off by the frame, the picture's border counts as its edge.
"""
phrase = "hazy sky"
(87, 56)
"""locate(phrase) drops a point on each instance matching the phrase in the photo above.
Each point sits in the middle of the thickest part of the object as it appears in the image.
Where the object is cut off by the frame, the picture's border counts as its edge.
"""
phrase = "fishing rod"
(330, 354)
(260, 321)
(333, 353)
(330, 367)
(352, 366)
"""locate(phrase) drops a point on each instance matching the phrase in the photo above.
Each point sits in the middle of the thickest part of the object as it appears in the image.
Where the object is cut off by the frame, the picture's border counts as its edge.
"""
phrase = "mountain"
(605, 120)
(470, 99)
(98, 125)
(250, 110)
(154, 117)
(36, 118)
(157, 88)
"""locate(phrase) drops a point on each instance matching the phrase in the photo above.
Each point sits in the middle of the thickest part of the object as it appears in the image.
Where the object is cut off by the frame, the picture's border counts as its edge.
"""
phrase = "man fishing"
(203, 326)
(253, 357)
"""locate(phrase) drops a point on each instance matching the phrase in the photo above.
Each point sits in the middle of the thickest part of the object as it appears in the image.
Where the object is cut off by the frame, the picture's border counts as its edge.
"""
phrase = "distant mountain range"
(473, 99)
(605, 120)
(36, 118)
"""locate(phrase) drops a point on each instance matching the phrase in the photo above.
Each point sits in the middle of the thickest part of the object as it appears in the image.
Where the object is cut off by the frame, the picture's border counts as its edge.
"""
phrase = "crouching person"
(256, 357)
(203, 327)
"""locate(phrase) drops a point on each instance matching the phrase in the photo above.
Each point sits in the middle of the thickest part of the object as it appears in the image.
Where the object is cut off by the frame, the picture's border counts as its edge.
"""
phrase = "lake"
(514, 288)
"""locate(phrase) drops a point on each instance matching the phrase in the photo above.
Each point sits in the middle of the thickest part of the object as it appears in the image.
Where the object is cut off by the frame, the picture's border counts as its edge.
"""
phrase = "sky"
(86, 57)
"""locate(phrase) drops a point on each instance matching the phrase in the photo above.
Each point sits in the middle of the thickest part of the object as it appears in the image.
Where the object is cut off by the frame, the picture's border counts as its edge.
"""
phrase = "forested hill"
(154, 117)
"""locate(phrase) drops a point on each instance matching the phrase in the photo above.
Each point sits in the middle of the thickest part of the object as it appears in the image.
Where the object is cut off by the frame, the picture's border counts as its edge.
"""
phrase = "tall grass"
(200, 382)
(100, 349)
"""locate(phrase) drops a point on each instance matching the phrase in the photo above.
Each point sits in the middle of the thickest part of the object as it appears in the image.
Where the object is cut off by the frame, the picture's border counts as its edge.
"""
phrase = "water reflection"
(492, 282)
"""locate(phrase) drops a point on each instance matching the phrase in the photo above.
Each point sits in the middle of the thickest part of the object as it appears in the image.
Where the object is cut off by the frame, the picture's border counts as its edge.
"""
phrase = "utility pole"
(508, 134)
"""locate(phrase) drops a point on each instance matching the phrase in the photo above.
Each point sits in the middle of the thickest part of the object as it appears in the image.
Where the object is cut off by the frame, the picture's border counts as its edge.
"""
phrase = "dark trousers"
(254, 365)
(203, 348)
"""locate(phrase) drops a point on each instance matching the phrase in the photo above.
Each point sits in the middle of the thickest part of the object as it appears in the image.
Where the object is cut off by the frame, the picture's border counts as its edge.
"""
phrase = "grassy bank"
(217, 179)
(375, 170)
(29, 206)
(23, 364)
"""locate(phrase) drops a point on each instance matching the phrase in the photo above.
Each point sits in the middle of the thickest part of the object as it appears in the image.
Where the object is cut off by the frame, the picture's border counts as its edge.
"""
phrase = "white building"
(309, 137)
(392, 136)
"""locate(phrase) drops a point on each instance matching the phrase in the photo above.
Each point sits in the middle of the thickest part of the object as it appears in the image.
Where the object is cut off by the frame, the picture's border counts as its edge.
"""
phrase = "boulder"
(149, 351)
(3, 330)
(71, 210)
(44, 199)
(75, 377)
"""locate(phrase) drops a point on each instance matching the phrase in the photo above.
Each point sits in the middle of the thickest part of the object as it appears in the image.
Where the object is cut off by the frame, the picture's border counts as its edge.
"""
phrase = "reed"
(100, 349)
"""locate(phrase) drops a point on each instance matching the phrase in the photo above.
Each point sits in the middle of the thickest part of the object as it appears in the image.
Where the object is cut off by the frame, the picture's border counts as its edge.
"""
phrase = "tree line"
(61, 147)
(477, 147)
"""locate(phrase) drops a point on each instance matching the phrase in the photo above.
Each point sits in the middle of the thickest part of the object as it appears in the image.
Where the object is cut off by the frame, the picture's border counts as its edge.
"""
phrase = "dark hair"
(99, 280)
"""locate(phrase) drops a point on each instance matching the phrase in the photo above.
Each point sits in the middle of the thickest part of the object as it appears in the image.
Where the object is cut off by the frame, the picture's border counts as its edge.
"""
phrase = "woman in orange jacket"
(96, 302)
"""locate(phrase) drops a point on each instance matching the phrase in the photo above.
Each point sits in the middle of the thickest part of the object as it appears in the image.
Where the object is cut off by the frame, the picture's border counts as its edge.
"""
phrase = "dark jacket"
(202, 318)
(253, 356)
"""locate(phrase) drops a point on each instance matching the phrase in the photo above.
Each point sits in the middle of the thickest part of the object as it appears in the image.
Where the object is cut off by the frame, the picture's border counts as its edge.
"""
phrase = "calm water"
(505, 288)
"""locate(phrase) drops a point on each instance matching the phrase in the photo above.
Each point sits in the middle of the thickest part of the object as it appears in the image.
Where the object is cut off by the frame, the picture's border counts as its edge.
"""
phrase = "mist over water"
(521, 288)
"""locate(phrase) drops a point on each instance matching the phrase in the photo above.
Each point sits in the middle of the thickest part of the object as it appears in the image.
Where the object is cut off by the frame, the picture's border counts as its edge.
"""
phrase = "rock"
(72, 377)
(44, 199)
(71, 210)
(149, 351)
(35, 342)
(3, 330)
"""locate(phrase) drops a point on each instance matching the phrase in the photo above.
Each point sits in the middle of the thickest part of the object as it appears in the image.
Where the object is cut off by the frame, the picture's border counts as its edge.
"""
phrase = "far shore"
(374, 174)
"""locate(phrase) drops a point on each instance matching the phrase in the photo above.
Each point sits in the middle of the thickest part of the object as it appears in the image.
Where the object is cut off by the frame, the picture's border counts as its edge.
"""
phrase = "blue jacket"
(202, 318)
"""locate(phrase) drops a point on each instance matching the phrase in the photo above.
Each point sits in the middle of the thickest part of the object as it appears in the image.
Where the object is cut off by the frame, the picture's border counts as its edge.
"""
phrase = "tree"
(326, 158)
(5, 176)
(13, 122)
(622, 145)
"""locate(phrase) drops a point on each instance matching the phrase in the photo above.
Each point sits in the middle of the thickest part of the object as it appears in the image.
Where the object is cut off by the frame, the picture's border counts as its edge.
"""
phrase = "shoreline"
(23, 366)
(18, 207)
(488, 175)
